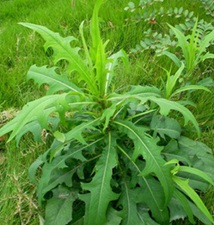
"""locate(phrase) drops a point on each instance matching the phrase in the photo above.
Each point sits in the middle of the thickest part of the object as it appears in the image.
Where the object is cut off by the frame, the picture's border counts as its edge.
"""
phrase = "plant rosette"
(115, 158)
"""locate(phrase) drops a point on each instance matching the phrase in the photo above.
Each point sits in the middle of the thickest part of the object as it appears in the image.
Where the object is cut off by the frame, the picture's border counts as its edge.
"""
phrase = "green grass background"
(20, 48)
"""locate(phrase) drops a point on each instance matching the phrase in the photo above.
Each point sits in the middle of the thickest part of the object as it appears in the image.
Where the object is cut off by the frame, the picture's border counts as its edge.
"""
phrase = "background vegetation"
(20, 48)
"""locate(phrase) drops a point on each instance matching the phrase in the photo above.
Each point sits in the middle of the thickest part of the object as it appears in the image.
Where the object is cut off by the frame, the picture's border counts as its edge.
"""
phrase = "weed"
(116, 156)
(157, 38)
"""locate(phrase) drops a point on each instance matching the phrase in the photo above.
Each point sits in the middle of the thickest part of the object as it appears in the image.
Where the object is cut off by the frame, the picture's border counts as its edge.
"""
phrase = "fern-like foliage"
(159, 41)
(115, 158)
(209, 7)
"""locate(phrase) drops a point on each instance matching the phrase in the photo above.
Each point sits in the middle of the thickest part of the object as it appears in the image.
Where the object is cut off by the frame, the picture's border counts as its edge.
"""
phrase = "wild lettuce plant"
(115, 157)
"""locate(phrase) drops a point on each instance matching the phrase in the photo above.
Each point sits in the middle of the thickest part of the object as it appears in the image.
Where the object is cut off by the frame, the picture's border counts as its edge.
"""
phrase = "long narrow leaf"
(190, 88)
(74, 134)
(207, 56)
(182, 42)
(128, 200)
(44, 75)
(196, 172)
(87, 54)
(94, 28)
(63, 50)
(172, 80)
(101, 194)
(39, 110)
(185, 204)
(151, 194)
(100, 66)
(112, 64)
(166, 106)
(151, 152)
(173, 57)
(183, 184)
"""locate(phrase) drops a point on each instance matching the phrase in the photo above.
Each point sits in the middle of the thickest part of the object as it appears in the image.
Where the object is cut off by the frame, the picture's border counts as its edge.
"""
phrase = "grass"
(20, 48)
(19, 204)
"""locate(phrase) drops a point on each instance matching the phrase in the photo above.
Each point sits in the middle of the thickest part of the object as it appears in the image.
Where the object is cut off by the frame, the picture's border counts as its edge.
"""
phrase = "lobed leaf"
(128, 200)
(107, 114)
(52, 176)
(76, 132)
(145, 216)
(152, 195)
(141, 93)
(63, 51)
(34, 167)
(32, 127)
(56, 82)
(171, 151)
(201, 155)
(57, 171)
(166, 106)
(147, 148)
(59, 208)
(101, 194)
(37, 110)
(165, 126)
(113, 217)
(150, 192)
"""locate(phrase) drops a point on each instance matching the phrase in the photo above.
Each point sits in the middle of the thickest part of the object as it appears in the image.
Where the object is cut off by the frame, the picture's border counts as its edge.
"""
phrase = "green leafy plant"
(194, 50)
(141, 5)
(172, 86)
(152, 15)
(159, 42)
(157, 38)
(208, 6)
(115, 157)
